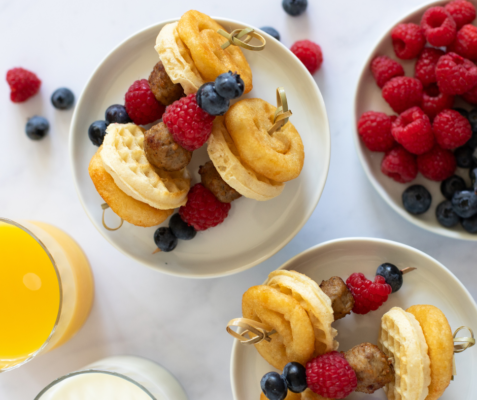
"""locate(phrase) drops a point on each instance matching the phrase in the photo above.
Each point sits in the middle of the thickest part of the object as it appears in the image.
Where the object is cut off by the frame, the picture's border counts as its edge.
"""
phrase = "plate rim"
(292, 233)
(358, 146)
(332, 242)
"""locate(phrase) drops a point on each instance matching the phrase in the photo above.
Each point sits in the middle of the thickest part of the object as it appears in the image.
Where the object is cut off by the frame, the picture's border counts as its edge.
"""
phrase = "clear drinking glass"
(46, 290)
(116, 378)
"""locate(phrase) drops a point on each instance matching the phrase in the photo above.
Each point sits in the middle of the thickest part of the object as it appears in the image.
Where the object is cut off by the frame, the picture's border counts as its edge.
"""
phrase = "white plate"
(368, 98)
(432, 284)
(253, 231)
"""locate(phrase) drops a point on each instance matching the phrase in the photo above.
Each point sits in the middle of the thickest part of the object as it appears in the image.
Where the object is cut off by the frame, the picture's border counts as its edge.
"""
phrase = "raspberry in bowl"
(427, 93)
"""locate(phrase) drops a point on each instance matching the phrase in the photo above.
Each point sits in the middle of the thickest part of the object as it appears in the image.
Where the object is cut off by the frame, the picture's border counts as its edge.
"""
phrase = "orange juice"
(29, 294)
(46, 290)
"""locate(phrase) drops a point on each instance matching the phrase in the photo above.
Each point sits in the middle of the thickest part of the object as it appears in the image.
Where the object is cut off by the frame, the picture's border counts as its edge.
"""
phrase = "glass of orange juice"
(46, 290)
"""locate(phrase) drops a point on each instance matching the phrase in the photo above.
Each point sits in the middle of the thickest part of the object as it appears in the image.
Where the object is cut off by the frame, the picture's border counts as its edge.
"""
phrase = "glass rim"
(45, 249)
(90, 371)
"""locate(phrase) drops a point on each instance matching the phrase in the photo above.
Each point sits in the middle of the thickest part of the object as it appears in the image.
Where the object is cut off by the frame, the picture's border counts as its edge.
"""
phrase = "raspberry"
(23, 84)
(203, 210)
(413, 130)
(437, 164)
(465, 43)
(399, 165)
(331, 376)
(375, 130)
(408, 40)
(462, 11)
(425, 68)
(383, 69)
(368, 295)
(433, 101)
(439, 26)
(141, 104)
(309, 54)
(455, 74)
(190, 125)
(402, 93)
(471, 96)
(451, 129)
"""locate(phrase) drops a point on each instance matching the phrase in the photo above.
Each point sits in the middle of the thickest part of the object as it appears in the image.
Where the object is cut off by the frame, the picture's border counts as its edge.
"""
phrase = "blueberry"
(117, 113)
(462, 111)
(62, 99)
(446, 215)
(473, 175)
(451, 185)
(464, 203)
(97, 132)
(294, 7)
(463, 156)
(274, 386)
(37, 127)
(470, 224)
(180, 229)
(416, 199)
(271, 31)
(165, 239)
(391, 274)
(473, 119)
(472, 142)
(229, 85)
(295, 376)
(210, 101)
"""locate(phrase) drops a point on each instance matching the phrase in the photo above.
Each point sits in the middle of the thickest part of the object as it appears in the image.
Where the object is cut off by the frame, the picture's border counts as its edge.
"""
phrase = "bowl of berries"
(355, 318)
(416, 121)
(186, 162)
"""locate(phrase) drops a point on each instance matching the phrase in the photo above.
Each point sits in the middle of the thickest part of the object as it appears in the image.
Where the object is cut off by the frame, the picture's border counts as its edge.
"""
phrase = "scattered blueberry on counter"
(97, 132)
(294, 7)
(37, 127)
(62, 99)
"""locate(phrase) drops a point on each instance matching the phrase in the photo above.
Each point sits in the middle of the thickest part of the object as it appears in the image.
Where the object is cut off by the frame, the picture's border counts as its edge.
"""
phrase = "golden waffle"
(124, 159)
(316, 303)
(177, 60)
(401, 338)
(240, 176)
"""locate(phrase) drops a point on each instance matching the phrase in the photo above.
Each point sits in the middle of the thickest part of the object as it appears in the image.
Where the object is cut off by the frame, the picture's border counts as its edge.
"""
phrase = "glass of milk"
(116, 378)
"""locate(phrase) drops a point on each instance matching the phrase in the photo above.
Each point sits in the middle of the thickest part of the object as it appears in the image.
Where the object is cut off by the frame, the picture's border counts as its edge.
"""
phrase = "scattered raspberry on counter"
(23, 84)
(309, 53)
(408, 40)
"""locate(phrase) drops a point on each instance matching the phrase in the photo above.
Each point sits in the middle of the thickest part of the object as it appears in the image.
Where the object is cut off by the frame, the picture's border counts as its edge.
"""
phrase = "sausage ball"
(372, 367)
(161, 150)
(342, 300)
(212, 180)
(161, 85)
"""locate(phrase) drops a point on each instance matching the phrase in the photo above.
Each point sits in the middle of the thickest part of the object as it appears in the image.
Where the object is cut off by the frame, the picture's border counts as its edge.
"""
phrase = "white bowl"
(432, 283)
(253, 231)
(368, 98)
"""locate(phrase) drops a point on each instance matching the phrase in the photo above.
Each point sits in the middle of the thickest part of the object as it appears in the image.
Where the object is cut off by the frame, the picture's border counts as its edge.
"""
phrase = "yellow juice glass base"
(46, 290)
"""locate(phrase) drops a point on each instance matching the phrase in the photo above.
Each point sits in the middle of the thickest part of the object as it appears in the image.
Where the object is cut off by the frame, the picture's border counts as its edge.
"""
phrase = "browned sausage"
(161, 85)
(161, 150)
(372, 367)
(212, 180)
(342, 300)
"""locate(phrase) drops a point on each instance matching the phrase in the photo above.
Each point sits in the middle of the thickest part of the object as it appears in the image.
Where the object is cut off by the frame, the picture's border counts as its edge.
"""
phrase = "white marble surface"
(180, 323)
